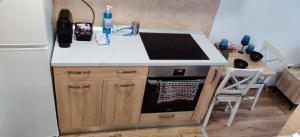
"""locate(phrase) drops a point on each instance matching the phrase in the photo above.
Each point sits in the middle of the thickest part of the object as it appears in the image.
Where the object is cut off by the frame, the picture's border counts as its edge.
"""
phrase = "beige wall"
(168, 14)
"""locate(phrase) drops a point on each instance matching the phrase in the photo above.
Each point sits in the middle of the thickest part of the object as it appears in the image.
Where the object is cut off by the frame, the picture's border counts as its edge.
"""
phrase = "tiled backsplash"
(155, 14)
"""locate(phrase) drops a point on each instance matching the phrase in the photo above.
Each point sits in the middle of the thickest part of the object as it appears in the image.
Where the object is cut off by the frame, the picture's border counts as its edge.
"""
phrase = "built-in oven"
(172, 89)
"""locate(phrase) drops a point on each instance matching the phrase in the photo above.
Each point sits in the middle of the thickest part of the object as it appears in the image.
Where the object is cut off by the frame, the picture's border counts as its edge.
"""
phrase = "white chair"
(268, 50)
(233, 89)
(259, 85)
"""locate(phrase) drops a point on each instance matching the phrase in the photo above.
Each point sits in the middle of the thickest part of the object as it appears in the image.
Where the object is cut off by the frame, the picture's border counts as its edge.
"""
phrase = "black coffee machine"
(64, 28)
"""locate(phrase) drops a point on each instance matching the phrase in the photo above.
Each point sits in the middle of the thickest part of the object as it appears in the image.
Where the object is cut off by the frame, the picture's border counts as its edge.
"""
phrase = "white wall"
(277, 21)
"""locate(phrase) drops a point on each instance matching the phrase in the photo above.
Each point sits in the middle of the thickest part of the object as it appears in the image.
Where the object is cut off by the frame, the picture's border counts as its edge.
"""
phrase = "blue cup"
(223, 44)
(250, 48)
(245, 40)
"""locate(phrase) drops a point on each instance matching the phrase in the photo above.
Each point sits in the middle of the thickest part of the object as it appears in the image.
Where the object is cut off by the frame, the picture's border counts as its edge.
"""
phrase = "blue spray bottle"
(107, 20)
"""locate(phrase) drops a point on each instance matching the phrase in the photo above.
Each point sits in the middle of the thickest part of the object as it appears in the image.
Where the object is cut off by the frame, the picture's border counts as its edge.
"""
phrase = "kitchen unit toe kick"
(149, 120)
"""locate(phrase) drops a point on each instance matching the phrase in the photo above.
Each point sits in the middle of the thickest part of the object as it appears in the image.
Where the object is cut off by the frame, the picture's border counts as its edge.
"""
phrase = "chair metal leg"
(203, 132)
(229, 105)
(233, 112)
(209, 112)
(258, 92)
(226, 109)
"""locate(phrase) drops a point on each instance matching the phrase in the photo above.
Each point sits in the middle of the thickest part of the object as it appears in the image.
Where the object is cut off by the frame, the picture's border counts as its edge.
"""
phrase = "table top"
(267, 71)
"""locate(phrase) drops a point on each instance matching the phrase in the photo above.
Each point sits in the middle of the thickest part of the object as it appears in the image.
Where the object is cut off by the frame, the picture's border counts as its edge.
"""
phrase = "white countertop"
(128, 51)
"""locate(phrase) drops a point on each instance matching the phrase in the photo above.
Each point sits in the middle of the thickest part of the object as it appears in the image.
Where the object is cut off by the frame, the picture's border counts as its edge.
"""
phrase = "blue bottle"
(107, 20)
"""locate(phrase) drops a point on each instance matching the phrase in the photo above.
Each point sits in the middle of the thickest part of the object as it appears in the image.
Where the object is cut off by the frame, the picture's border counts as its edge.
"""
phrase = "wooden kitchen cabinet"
(122, 101)
(78, 104)
(208, 92)
(98, 98)
(292, 125)
(289, 84)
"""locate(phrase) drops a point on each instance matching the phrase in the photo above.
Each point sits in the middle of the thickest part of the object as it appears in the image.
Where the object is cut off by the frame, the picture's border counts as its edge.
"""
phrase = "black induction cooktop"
(167, 46)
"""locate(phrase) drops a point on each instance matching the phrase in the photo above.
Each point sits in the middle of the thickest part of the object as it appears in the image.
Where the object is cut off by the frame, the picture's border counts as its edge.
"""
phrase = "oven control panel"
(178, 71)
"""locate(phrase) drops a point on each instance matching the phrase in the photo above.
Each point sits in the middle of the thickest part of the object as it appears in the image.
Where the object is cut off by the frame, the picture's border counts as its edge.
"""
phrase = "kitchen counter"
(128, 51)
(126, 69)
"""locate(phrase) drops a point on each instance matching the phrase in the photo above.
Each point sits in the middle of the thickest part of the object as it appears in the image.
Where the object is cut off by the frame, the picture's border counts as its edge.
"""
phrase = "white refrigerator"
(27, 106)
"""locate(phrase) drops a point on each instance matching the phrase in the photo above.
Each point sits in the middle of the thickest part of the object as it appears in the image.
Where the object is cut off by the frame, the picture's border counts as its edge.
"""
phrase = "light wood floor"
(187, 131)
(266, 120)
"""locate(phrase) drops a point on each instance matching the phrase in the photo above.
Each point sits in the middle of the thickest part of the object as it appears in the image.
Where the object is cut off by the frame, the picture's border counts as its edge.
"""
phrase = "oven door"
(152, 91)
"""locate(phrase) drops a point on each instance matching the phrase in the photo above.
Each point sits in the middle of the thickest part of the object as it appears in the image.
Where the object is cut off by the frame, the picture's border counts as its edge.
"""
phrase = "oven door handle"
(156, 82)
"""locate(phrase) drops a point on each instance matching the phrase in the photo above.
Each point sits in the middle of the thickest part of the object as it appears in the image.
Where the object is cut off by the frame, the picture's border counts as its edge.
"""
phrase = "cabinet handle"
(216, 73)
(125, 85)
(79, 72)
(166, 116)
(126, 71)
(80, 87)
(116, 135)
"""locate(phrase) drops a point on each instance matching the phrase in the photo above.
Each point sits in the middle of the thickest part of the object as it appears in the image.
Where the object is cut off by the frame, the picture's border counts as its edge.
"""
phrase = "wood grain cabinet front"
(78, 104)
(289, 85)
(98, 98)
(97, 73)
(122, 102)
(166, 118)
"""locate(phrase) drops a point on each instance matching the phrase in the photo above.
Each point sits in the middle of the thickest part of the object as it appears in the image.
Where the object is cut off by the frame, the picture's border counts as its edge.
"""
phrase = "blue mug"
(223, 44)
(245, 40)
(250, 48)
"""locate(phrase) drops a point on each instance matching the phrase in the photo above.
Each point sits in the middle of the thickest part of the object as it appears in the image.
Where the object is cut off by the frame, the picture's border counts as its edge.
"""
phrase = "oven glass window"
(171, 95)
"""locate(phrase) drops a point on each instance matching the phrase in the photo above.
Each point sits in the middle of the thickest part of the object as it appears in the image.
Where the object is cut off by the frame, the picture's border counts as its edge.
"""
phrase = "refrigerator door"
(26, 94)
(22, 22)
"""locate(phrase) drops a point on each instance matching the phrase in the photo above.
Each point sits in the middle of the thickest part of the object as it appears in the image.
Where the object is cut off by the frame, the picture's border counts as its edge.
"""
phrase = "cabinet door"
(122, 101)
(79, 104)
(289, 85)
(208, 91)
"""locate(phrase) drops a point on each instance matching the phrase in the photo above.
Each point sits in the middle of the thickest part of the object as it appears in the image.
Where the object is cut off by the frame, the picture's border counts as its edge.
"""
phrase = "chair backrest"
(269, 48)
(238, 81)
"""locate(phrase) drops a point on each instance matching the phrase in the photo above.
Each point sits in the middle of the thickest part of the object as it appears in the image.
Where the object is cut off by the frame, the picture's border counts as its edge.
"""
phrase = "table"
(266, 74)
(217, 72)
(267, 71)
